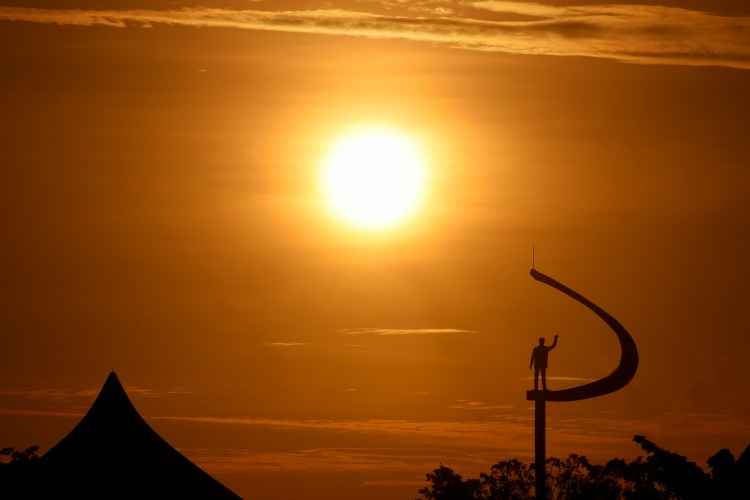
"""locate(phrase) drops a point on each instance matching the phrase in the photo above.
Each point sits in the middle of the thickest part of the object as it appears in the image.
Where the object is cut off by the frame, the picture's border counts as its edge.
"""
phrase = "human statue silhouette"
(538, 361)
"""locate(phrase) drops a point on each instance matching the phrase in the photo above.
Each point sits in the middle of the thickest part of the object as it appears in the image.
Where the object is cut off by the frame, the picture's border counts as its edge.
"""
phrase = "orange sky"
(162, 218)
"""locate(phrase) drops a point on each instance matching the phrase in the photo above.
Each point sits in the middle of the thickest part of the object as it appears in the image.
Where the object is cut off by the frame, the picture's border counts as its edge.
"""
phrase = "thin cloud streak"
(48, 394)
(65, 395)
(562, 378)
(628, 33)
(404, 331)
(463, 404)
(342, 459)
(23, 412)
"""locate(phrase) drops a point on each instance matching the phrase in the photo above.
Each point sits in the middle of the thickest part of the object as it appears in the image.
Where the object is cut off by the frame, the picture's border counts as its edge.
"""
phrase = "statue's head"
(541, 340)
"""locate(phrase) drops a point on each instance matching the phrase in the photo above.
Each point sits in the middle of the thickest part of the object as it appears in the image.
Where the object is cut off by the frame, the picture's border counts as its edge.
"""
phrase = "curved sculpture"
(618, 379)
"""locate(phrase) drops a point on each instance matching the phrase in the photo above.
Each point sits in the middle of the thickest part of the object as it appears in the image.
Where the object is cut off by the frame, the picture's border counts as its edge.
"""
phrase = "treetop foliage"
(660, 475)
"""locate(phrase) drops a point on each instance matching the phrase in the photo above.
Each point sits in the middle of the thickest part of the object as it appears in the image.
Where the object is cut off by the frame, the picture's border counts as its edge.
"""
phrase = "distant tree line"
(16, 458)
(660, 475)
(18, 471)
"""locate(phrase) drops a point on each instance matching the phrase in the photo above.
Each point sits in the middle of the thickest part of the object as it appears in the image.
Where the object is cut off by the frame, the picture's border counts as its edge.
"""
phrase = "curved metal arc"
(616, 380)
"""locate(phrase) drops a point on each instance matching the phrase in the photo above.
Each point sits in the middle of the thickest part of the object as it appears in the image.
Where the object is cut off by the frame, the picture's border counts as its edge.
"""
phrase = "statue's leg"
(544, 378)
(536, 378)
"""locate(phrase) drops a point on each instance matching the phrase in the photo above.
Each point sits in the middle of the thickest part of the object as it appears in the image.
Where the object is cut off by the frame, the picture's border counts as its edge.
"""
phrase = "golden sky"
(163, 217)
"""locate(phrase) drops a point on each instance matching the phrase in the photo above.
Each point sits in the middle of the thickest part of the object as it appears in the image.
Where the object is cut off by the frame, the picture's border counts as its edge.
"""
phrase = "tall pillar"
(540, 453)
(615, 381)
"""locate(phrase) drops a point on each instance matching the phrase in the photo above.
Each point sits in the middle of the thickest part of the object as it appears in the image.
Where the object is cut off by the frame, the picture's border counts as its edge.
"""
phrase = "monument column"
(615, 381)
(540, 453)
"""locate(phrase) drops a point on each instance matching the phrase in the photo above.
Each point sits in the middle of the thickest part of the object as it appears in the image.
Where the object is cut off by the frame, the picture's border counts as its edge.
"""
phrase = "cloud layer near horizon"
(421, 444)
(630, 33)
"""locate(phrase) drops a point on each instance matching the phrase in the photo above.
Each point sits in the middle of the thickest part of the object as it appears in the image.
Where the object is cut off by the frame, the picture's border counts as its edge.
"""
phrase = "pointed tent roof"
(114, 453)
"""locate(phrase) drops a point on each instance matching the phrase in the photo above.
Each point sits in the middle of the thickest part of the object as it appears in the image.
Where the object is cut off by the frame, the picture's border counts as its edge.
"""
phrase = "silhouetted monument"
(114, 453)
(539, 360)
(616, 380)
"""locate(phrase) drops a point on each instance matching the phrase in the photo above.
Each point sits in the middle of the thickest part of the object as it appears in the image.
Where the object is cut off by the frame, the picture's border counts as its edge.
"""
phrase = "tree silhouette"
(660, 475)
(729, 475)
(30, 454)
(447, 485)
(19, 471)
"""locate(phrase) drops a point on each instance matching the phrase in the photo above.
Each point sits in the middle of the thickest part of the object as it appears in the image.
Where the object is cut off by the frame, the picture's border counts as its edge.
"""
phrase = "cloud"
(286, 344)
(470, 444)
(48, 394)
(134, 391)
(376, 462)
(443, 429)
(434, 7)
(403, 331)
(630, 33)
(508, 431)
(24, 412)
(392, 483)
(66, 395)
(523, 8)
(463, 404)
(564, 378)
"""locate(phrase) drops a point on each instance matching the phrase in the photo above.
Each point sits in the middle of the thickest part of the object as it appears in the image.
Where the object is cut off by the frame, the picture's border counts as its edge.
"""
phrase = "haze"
(162, 217)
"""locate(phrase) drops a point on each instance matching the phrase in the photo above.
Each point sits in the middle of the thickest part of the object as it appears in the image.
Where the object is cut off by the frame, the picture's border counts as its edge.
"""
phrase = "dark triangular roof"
(113, 452)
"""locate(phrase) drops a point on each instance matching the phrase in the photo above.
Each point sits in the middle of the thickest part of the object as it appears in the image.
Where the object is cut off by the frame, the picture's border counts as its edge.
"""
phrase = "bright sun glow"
(374, 177)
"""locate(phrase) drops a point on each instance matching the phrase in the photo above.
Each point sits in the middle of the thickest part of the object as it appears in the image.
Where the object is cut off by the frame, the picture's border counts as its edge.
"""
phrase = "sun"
(373, 177)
